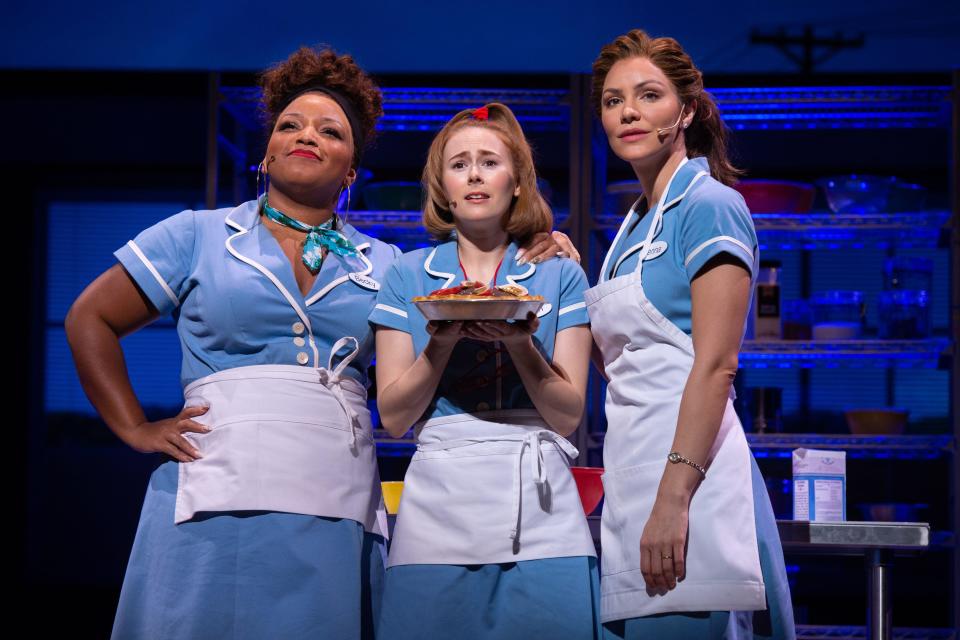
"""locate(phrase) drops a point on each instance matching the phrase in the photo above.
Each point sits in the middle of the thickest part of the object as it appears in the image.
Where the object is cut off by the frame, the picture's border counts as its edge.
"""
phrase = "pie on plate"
(473, 300)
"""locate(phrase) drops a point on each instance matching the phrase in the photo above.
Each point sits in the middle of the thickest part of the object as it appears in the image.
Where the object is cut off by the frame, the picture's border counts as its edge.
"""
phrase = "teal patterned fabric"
(324, 235)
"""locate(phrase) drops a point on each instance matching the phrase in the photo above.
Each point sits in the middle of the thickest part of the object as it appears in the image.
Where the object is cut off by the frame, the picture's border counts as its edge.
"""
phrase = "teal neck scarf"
(318, 238)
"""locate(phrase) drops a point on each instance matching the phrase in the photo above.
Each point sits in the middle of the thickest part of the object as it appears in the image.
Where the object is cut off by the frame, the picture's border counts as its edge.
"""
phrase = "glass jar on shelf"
(904, 314)
(910, 273)
(797, 320)
(837, 315)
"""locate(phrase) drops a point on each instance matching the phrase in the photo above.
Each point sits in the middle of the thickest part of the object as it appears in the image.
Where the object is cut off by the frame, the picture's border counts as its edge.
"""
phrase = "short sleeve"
(573, 308)
(160, 259)
(719, 223)
(391, 308)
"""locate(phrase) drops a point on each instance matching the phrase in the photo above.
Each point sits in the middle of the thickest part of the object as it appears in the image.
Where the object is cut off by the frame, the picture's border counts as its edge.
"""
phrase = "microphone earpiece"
(663, 130)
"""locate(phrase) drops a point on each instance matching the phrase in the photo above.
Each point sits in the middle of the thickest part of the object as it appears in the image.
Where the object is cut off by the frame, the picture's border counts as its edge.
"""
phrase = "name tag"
(656, 250)
(365, 282)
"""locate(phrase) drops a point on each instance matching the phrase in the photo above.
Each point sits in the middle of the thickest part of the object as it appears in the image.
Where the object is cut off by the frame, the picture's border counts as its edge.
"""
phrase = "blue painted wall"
(492, 35)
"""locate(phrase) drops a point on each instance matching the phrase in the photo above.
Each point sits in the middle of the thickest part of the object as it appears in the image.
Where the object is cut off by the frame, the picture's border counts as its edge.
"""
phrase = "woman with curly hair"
(265, 519)
(690, 544)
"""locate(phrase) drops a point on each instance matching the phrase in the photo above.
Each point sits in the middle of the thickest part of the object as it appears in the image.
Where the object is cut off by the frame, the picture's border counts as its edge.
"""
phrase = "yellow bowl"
(391, 495)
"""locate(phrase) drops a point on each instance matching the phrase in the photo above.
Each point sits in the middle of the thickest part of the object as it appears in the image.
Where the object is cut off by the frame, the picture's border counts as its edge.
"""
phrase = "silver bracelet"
(675, 458)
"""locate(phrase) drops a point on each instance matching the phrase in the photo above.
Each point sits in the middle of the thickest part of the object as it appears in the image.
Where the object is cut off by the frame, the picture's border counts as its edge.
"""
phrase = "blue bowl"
(856, 193)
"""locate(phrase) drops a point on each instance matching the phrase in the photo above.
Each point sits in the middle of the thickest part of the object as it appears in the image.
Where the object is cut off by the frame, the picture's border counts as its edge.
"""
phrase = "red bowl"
(589, 486)
(776, 196)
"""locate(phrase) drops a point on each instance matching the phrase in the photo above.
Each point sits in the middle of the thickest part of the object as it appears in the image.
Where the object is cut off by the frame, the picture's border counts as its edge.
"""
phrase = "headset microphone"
(663, 130)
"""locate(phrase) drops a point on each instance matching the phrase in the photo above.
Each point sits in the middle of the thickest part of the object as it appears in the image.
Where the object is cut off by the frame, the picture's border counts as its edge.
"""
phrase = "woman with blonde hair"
(491, 539)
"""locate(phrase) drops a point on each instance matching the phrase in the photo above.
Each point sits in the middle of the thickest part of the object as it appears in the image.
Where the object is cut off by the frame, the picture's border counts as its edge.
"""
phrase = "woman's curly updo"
(311, 67)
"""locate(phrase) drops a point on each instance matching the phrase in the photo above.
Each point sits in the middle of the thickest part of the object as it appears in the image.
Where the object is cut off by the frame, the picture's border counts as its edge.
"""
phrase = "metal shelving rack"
(827, 107)
(781, 445)
(817, 632)
(806, 354)
(822, 230)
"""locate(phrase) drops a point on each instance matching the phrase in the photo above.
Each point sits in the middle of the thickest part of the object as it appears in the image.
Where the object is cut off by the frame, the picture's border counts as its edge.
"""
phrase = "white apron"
(648, 360)
(480, 491)
(285, 438)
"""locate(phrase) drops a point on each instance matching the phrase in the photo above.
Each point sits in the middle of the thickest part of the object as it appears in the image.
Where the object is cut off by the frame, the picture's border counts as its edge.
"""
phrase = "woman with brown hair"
(690, 544)
(490, 540)
(265, 518)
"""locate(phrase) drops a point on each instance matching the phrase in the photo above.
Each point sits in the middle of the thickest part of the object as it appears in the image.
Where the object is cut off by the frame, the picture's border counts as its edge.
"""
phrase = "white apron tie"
(331, 379)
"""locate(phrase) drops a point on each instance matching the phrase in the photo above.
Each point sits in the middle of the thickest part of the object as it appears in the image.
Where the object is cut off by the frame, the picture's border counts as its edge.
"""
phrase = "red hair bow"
(481, 114)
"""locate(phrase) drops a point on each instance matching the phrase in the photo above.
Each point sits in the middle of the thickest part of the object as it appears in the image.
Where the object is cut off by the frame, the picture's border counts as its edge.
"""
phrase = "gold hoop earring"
(342, 215)
(261, 169)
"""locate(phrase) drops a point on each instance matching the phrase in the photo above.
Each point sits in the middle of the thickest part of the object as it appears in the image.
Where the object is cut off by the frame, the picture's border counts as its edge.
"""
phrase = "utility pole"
(808, 43)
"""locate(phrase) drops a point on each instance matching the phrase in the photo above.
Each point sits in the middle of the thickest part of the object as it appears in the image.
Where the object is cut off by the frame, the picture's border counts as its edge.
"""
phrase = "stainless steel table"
(879, 542)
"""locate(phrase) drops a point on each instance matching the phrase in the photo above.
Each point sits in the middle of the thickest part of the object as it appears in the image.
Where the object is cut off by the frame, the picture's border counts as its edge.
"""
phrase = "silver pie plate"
(491, 309)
